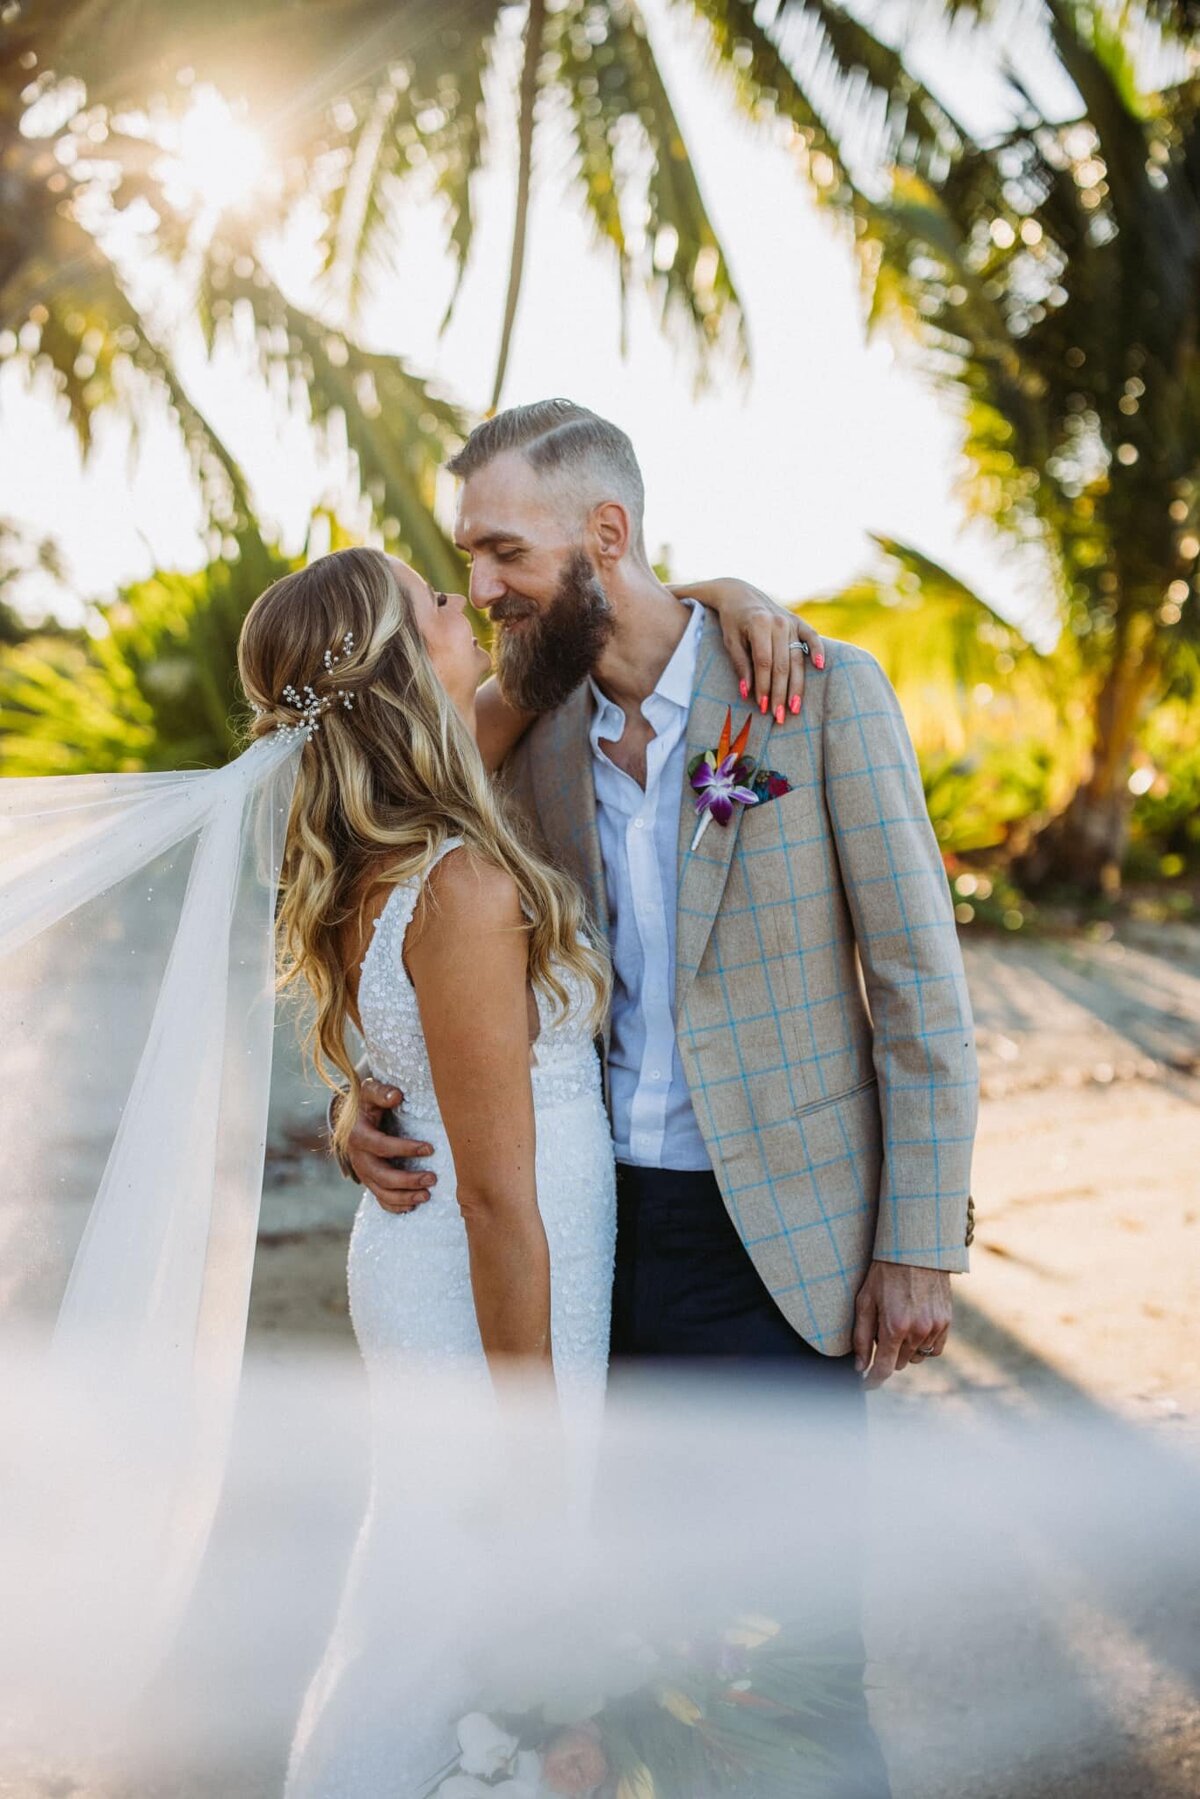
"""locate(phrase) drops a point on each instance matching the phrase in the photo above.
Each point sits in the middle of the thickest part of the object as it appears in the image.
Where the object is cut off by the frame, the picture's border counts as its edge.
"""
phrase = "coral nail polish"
(818, 661)
(762, 704)
(744, 689)
(795, 704)
(779, 715)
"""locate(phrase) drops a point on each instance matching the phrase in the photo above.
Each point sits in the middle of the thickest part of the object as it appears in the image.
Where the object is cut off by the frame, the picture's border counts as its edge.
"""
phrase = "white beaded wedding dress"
(380, 1712)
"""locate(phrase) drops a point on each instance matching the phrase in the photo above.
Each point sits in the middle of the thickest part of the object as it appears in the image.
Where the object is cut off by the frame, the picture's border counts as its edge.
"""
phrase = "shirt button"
(655, 1074)
(639, 822)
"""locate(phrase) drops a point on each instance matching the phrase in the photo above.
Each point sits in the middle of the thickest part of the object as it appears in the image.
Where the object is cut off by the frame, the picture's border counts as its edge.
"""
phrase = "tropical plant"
(151, 685)
(1047, 277)
(990, 716)
(19, 555)
(1048, 280)
(1055, 279)
(1165, 828)
(85, 225)
(356, 99)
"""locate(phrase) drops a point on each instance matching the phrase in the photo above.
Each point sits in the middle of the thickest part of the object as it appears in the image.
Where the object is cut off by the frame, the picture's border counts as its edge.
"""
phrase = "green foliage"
(991, 718)
(154, 686)
(1165, 831)
(1001, 731)
(19, 554)
(1046, 283)
(1047, 279)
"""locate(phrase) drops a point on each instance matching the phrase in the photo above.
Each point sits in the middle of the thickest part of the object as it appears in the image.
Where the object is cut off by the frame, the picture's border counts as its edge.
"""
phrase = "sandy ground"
(1084, 1295)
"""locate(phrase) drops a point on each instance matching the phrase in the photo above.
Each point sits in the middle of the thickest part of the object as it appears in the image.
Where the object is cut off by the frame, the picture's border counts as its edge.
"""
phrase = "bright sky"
(778, 478)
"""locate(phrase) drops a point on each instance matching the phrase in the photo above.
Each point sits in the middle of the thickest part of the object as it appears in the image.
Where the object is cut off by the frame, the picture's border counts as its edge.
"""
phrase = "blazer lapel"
(704, 871)
(561, 768)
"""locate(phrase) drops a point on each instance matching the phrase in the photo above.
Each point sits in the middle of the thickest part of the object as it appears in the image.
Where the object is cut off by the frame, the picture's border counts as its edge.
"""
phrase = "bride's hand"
(760, 638)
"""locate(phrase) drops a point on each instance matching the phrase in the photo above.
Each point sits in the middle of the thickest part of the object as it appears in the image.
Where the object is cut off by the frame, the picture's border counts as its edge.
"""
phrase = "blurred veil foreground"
(681, 1640)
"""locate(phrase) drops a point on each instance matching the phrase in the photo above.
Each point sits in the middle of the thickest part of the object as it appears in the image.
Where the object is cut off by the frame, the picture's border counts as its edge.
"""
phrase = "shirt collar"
(674, 684)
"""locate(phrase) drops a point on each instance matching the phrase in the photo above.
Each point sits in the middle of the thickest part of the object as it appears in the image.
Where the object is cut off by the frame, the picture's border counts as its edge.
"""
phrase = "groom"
(793, 1141)
(789, 1059)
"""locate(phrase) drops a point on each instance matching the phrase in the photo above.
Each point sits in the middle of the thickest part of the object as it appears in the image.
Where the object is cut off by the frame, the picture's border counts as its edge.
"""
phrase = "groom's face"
(533, 574)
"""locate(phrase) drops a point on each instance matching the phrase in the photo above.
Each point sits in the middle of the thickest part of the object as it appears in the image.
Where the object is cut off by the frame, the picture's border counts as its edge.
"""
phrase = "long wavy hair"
(382, 784)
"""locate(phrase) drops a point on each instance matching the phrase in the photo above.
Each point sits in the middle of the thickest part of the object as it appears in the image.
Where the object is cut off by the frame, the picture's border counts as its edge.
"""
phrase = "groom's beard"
(540, 663)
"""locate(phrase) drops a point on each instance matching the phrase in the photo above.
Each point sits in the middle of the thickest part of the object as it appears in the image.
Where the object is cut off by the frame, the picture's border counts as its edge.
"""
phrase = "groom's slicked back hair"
(587, 455)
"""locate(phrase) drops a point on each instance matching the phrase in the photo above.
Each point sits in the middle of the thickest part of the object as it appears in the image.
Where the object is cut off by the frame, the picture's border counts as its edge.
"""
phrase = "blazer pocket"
(794, 800)
(835, 1099)
(780, 799)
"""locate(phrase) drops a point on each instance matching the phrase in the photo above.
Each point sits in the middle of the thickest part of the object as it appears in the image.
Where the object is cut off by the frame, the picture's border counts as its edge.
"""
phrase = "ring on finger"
(798, 643)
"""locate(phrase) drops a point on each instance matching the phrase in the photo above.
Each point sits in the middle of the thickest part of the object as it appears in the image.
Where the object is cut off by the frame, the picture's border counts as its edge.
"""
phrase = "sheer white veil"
(136, 1018)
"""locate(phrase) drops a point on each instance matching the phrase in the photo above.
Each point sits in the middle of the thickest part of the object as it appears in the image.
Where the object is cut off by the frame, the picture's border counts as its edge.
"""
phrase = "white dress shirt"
(654, 1125)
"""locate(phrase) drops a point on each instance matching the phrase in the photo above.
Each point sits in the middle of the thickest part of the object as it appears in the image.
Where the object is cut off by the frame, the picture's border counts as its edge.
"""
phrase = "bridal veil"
(136, 1020)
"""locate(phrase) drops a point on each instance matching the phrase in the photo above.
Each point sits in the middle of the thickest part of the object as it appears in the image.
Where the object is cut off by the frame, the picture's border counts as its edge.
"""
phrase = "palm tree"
(1047, 279)
(72, 167)
(1048, 282)
(356, 96)
(1053, 279)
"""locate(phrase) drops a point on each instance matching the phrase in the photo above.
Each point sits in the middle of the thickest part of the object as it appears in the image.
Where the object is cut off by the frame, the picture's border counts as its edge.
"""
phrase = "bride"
(413, 909)
(416, 911)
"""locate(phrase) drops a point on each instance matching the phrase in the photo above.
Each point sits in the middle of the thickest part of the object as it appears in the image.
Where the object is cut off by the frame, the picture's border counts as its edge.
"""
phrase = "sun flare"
(218, 161)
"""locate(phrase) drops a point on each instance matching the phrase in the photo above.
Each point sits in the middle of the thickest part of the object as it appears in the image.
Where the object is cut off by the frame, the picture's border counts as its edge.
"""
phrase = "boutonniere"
(726, 777)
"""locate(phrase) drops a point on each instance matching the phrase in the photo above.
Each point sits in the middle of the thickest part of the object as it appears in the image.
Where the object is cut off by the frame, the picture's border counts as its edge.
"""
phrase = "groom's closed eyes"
(492, 540)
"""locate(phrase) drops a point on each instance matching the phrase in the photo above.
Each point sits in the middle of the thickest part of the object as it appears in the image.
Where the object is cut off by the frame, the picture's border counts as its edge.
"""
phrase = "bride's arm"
(467, 954)
(759, 637)
(499, 727)
(758, 634)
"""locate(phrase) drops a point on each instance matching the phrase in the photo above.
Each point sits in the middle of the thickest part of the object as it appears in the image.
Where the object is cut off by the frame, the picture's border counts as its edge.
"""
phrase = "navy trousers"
(685, 1289)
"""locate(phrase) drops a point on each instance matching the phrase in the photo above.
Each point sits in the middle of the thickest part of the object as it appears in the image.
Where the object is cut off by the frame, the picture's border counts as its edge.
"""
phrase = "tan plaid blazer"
(821, 1007)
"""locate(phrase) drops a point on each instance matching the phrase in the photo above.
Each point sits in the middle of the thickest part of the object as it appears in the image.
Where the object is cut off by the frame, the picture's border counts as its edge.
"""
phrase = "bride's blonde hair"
(382, 784)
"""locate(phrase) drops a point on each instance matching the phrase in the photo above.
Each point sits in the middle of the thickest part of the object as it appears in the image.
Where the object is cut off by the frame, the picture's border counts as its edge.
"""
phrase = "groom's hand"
(370, 1151)
(899, 1312)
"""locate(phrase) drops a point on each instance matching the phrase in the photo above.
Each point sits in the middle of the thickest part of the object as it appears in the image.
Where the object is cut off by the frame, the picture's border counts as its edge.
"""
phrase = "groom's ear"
(610, 528)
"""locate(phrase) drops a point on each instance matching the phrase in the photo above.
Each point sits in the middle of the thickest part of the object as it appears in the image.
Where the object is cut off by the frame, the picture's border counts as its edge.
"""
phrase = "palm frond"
(764, 81)
(399, 429)
(535, 31)
(989, 715)
(92, 338)
(612, 77)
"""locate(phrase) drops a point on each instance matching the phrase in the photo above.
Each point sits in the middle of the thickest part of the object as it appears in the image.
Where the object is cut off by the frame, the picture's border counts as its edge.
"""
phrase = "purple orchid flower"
(719, 786)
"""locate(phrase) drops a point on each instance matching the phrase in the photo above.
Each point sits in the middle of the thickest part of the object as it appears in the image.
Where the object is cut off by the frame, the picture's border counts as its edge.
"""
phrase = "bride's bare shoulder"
(464, 895)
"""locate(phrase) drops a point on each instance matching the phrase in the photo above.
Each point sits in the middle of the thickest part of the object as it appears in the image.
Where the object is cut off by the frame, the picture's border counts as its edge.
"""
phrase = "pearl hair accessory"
(310, 704)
